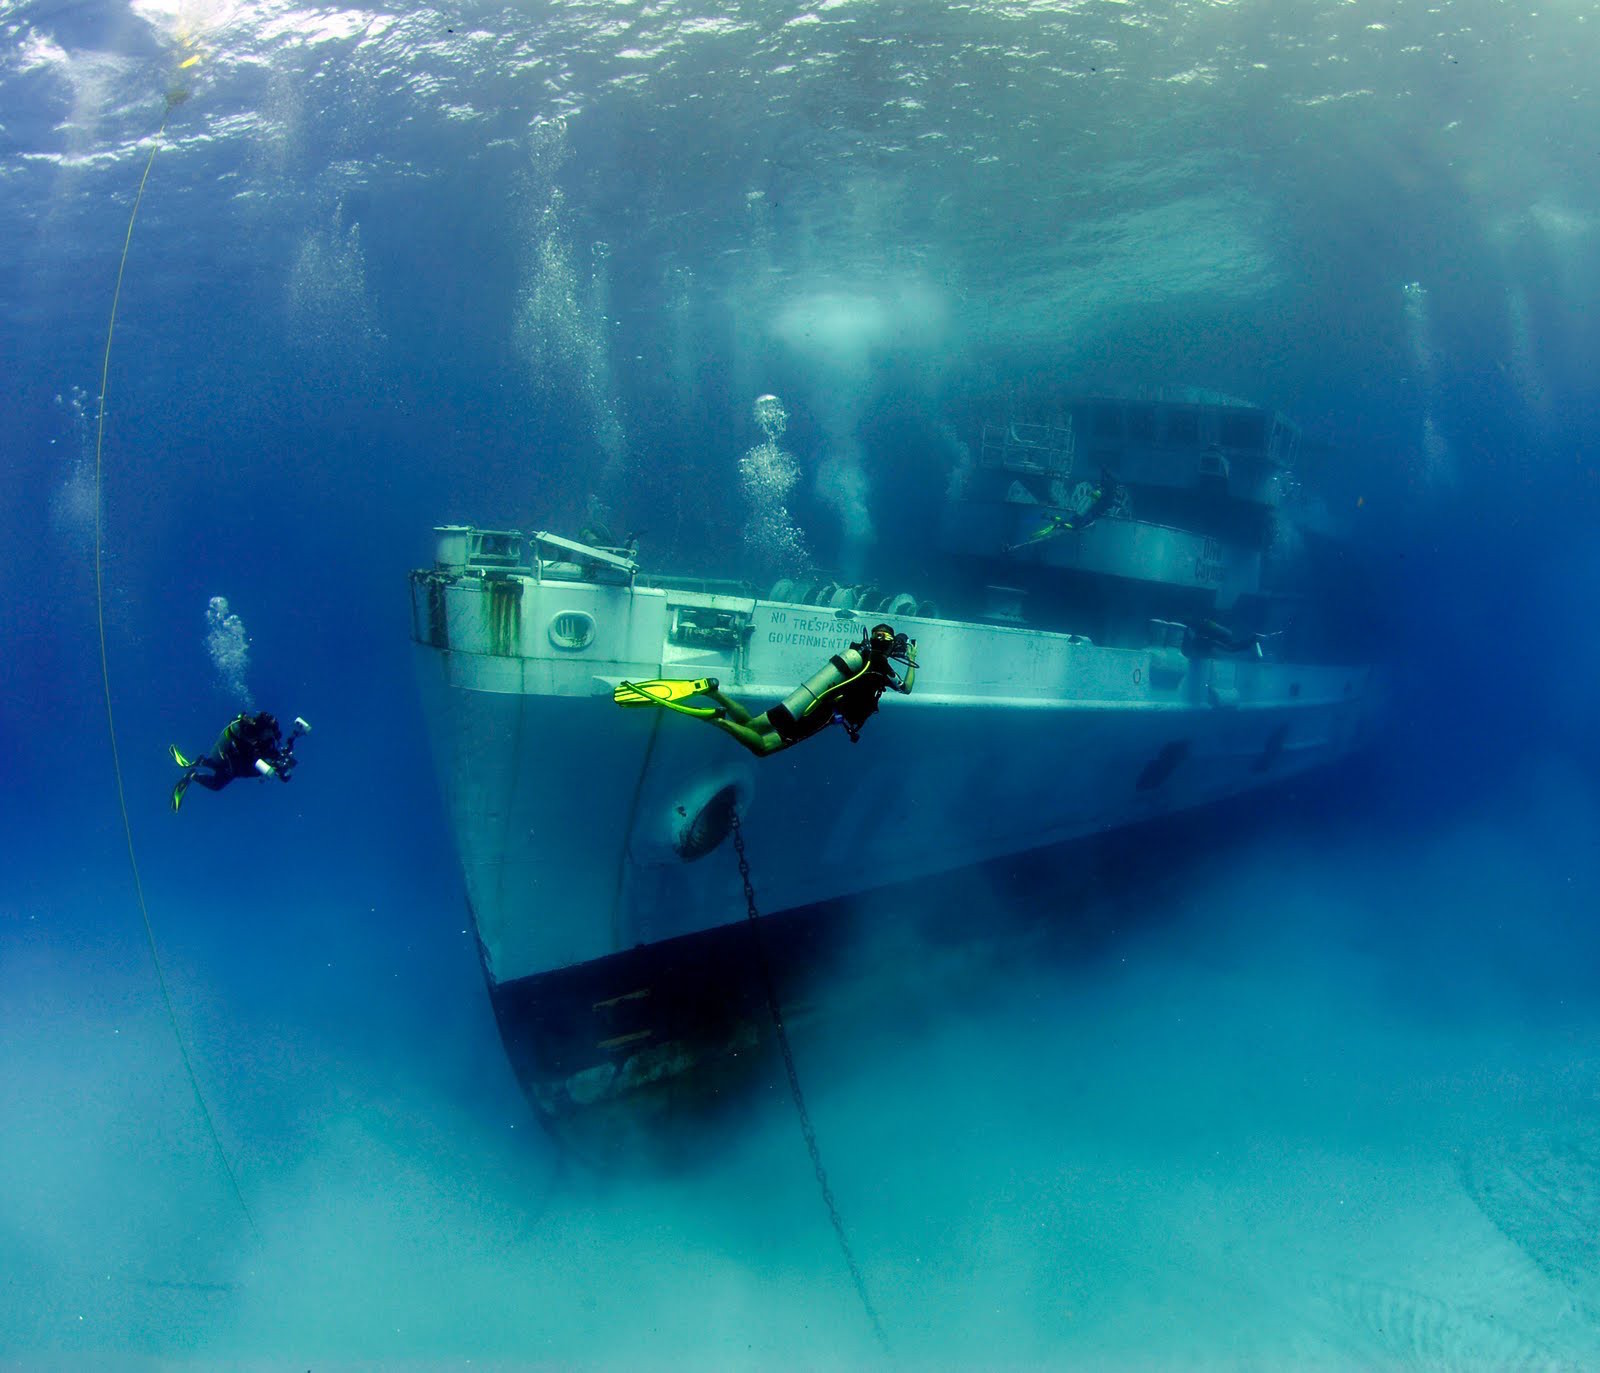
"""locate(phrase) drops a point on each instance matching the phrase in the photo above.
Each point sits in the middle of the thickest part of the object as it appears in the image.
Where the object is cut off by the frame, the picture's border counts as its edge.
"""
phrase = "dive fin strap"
(699, 712)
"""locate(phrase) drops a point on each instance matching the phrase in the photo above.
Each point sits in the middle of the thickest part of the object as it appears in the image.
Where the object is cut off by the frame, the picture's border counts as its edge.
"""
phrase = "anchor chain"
(794, 1087)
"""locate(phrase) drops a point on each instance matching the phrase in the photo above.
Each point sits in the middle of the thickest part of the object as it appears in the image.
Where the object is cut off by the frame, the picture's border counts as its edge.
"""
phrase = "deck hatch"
(695, 626)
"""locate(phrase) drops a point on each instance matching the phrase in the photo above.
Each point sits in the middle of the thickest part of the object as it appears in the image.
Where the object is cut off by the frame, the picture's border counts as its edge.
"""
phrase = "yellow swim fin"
(178, 758)
(177, 793)
(668, 693)
(657, 693)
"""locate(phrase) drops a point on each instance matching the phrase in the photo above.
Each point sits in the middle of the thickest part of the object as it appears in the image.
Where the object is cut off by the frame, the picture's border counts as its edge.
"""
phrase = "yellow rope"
(173, 100)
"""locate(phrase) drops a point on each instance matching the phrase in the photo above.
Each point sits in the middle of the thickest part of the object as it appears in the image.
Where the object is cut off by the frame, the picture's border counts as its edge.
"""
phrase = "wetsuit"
(246, 742)
(845, 691)
(1101, 497)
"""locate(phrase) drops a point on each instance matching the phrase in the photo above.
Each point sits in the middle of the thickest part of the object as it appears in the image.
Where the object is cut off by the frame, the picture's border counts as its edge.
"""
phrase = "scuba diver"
(249, 746)
(599, 536)
(1087, 503)
(845, 691)
(1208, 638)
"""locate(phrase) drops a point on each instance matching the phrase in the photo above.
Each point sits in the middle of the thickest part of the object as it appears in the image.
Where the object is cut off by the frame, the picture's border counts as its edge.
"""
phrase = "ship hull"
(570, 813)
(609, 906)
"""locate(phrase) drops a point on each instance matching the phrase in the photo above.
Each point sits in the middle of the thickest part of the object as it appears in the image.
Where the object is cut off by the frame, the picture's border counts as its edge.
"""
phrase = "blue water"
(1319, 1093)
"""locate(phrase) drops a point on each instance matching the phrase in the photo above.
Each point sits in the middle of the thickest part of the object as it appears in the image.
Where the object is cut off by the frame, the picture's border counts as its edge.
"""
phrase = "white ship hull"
(574, 818)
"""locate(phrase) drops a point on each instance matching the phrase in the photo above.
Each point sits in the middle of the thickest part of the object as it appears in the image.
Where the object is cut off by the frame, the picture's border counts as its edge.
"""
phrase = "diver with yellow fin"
(249, 746)
(1087, 503)
(845, 691)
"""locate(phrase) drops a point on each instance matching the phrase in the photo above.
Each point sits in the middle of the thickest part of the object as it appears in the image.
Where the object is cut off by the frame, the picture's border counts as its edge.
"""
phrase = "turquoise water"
(1296, 1116)
(1308, 1084)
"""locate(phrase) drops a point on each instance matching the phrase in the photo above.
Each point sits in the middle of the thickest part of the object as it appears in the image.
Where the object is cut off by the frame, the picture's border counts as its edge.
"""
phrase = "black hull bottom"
(636, 1056)
(637, 1053)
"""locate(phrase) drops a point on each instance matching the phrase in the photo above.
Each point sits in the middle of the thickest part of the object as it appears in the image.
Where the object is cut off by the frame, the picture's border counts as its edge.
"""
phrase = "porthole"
(572, 629)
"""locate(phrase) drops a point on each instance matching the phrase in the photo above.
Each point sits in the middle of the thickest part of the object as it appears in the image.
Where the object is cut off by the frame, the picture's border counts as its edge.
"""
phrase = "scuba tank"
(785, 717)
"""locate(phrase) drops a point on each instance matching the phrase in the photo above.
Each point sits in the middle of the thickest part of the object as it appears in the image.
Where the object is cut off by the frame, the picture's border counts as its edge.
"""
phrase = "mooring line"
(174, 99)
(806, 1129)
